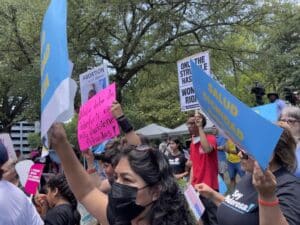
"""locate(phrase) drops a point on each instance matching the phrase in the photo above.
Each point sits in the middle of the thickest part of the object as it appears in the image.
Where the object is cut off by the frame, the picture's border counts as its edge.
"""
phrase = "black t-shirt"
(241, 207)
(177, 163)
(60, 215)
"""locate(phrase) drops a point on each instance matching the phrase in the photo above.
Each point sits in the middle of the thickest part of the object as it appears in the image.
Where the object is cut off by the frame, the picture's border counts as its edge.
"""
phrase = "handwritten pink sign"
(95, 122)
(34, 178)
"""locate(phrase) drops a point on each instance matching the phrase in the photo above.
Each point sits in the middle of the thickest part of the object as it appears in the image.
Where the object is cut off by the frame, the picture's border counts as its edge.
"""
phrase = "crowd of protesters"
(130, 181)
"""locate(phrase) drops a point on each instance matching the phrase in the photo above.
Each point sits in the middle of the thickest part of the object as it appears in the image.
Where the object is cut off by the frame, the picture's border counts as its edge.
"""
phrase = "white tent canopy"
(153, 131)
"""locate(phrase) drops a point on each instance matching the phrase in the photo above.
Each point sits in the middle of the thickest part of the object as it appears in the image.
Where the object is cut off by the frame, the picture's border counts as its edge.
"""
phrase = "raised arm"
(269, 209)
(124, 124)
(79, 181)
(91, 170)
(204, 143)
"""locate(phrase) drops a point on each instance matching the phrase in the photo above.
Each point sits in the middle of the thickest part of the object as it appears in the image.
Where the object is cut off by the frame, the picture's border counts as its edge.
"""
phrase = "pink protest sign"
(34, 178)
(95, 122)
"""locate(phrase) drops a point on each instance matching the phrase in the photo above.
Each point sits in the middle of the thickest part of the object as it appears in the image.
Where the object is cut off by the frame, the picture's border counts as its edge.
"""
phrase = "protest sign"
(240, 123)
(188, 100)
(95, 122)
(93, 81)
(5, 139)
(23, 168)
(268, 111)
(57, 89)
(34, 178)
(194, 202)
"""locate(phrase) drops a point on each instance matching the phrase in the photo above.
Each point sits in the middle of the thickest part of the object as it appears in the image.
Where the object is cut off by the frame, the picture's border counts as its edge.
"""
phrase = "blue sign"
(222, 185)
(245, 127)
(54, 50)
(268, 111)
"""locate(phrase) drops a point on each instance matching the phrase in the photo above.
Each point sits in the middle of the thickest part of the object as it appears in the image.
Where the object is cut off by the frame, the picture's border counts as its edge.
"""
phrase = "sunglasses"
(289, 121)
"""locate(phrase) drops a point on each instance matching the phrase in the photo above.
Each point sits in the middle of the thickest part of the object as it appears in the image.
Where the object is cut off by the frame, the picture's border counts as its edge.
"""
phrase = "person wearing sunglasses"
(290, 117)
(204, 158)
(262, 198)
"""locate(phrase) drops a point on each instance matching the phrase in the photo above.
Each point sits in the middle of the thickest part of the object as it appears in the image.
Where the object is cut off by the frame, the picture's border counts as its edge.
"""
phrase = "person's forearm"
(78, 179)
(217, 198)
(133, 138)
(204, 143)
(271, 214)
(191, 175)
(181, 175)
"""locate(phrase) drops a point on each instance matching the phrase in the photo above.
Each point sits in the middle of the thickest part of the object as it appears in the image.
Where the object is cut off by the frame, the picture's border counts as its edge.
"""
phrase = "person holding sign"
(203, 154)
(15, 207)
(144, 192)
(262, 198)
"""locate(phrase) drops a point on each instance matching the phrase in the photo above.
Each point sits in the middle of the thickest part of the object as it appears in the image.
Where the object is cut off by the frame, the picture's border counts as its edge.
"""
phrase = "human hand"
(40, 199)
(204, 190)
(116, 109)
(57, 135)
(198, 119)
(88, 154)
(42, 203)
(264, 183)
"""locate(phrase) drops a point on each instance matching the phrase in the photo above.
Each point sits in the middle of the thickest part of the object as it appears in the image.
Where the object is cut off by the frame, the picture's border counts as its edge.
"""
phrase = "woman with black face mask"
(144, 192)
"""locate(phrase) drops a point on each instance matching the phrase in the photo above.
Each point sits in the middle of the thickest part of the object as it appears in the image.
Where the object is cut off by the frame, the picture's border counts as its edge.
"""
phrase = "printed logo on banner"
(34, 178)
(188, 100)
(93, 81)
(240, 123)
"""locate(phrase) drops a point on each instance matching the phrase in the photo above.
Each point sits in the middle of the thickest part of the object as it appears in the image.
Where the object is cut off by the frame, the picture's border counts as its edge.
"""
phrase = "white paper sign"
(7, 142)
(187, 95)
(194, 202)
(93, 81)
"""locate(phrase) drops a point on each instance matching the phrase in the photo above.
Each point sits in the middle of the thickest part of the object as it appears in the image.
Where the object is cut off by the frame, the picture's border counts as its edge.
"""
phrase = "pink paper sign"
(95, 122)
(34, 178)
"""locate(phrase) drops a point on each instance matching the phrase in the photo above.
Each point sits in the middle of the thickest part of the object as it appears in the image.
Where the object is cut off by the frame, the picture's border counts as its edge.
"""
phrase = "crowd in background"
(133, 181)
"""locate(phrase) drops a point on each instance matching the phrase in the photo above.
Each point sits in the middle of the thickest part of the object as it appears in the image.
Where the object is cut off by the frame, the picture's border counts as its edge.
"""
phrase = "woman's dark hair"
(177, 141)
(285, 151)
(110, 155)
(153, 167)
(60, 182)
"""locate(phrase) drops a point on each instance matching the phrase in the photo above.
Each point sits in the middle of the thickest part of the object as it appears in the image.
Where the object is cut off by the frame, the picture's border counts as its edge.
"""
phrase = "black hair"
(59, 181)
(177, 141)
(110, 155)
(153, 167)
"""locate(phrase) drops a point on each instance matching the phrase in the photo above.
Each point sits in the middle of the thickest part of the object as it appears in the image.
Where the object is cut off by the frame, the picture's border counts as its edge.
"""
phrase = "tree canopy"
(141, 41)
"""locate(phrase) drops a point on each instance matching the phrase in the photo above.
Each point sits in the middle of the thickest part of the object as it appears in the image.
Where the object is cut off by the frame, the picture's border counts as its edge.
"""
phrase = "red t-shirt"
(205, 165)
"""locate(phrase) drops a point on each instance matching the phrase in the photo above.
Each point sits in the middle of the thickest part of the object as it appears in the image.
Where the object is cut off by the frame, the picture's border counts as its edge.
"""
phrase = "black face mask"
(122, 207)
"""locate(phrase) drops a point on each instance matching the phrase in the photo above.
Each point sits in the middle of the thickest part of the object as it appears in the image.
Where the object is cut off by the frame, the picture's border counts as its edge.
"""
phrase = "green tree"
(34, 140)
(19, 61)
(282, 49)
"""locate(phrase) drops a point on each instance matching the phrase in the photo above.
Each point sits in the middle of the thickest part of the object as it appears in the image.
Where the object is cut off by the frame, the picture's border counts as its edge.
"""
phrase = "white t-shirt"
(15, 207)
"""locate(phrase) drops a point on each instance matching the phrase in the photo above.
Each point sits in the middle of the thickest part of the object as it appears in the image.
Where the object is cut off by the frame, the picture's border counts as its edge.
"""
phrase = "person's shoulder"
(59, 214)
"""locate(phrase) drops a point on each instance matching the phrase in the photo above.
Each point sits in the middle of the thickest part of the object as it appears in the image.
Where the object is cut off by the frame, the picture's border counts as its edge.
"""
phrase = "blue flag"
(245, 127)
(57, 89)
